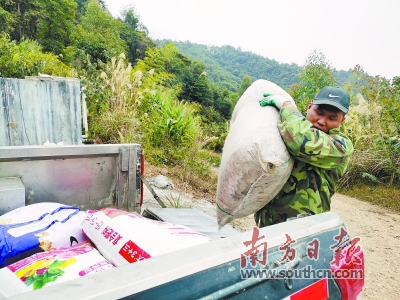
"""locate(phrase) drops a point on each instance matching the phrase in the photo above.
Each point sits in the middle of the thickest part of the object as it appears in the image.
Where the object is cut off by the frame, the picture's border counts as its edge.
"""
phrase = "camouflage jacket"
(320, 160)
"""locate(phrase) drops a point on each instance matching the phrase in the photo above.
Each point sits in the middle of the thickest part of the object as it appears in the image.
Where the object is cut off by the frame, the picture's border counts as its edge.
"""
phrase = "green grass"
(175, 201)
(378, 194)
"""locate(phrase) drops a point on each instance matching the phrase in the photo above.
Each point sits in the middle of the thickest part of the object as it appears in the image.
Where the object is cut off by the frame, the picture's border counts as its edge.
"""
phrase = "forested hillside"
(227, 65)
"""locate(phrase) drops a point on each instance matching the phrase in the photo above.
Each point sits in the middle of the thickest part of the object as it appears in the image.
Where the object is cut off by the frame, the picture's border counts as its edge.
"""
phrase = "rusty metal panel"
(33, 110)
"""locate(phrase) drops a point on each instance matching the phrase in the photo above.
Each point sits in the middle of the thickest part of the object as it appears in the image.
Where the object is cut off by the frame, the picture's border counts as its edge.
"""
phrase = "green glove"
(273, 100)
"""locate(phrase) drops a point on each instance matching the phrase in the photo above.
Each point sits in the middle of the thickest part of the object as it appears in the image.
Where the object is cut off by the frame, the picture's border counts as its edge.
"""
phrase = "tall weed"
(377, 149)
(115, 118)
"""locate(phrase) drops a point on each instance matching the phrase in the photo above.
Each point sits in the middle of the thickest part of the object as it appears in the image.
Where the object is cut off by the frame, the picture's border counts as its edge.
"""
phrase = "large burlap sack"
(39, 227)
(124, 237)
(255, 162)
(51, 267)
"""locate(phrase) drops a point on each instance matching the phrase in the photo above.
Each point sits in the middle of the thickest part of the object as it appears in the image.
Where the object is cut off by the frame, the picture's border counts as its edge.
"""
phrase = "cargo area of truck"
(209, 271)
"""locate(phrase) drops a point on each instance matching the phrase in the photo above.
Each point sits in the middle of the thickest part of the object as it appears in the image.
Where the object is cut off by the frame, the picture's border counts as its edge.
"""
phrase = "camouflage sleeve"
(310, 145)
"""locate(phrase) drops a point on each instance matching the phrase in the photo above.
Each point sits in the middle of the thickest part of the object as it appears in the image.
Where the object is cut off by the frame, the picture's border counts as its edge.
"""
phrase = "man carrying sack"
(320, 150)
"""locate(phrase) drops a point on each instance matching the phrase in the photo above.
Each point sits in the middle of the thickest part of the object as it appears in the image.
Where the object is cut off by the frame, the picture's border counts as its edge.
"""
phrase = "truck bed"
(211, 270)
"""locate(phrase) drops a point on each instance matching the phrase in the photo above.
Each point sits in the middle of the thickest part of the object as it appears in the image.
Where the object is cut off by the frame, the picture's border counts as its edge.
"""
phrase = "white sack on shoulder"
(124, 237)
(255, 162)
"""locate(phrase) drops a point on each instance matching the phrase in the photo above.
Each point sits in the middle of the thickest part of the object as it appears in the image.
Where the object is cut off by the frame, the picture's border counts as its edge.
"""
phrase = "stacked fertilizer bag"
(51, 267)
(255, 162)
(43, 244)
(38, 227)
(124, 237)
(48, 243)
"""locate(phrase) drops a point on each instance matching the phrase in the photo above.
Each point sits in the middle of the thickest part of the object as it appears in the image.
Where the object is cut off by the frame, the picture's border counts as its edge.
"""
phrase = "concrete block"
(12, 194)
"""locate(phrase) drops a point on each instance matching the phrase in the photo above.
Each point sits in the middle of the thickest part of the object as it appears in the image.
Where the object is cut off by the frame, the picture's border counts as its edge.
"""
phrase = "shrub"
(27, 59)
(377, 154)
(169, 126)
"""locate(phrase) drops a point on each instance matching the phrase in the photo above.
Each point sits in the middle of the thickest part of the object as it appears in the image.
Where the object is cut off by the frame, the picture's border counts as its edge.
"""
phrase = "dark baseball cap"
(333, 96)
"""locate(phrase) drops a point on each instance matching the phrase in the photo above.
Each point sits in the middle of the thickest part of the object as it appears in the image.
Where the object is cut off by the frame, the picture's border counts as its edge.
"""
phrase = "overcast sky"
(348, 32)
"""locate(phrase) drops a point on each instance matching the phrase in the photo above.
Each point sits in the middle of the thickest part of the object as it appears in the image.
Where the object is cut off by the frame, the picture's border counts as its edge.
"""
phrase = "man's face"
(323, 119)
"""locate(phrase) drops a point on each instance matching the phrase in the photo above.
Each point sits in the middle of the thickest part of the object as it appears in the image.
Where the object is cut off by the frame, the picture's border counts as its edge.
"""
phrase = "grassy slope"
(378, 194)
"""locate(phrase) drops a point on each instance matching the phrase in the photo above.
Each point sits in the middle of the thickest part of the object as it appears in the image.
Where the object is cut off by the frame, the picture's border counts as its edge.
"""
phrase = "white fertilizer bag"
(51, 267)
(37, 228)
(123, 237)
(255, 162)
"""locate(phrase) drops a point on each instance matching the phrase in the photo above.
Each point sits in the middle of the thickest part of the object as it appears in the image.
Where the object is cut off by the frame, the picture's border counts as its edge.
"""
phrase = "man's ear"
(309, 105)
(344, 118)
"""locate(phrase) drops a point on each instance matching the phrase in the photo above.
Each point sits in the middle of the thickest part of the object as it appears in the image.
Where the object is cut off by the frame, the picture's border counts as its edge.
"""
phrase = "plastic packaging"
(124, 237)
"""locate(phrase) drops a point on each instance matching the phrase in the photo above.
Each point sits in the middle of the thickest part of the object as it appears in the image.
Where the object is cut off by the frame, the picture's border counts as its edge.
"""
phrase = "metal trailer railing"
(85, 176)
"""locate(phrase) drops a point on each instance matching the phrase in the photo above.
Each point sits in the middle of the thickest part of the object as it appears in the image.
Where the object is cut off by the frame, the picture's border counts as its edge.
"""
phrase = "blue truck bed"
(215, 270)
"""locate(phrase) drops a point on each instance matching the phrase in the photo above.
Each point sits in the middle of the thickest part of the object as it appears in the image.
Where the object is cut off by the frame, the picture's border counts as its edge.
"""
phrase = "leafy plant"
(174, 200)
(26, 58)
(169, 125)
(370, 177)
(316, 73)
